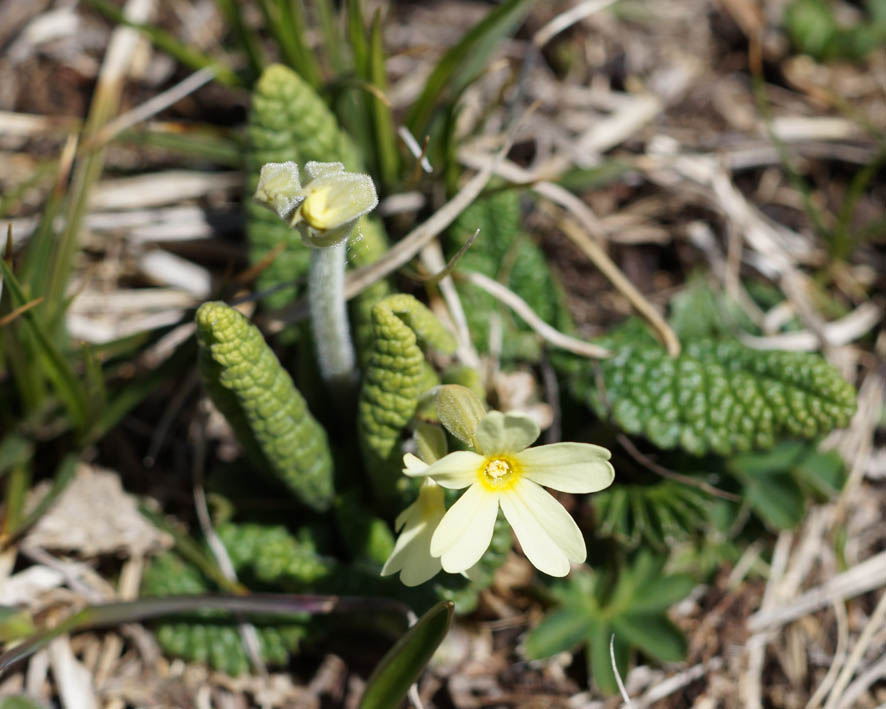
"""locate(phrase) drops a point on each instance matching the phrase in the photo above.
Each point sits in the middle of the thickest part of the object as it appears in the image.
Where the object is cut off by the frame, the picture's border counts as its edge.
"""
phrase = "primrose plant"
(501, 471)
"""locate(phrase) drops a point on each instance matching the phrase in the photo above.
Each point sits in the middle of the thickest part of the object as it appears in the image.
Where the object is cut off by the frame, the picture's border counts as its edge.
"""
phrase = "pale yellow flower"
(326, 207)
(506, 473)
(416, 524)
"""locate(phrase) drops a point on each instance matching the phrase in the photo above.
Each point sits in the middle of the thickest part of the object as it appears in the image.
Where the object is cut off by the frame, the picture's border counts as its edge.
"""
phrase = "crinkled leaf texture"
(396, 376)
(266, 556)
(634, 610)
(716, 396)
(256, 395)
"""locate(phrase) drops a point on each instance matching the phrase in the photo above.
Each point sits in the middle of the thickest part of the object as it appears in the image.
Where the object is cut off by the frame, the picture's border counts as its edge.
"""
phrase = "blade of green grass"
(205, 145)
(42, 242)
(331, 37)
(464, 61)
(353, 107)
(247, 38)
(133, 393)
(387, 157)
(63, 476)
(285, 19)
(108, 614)
(13, 194)
(14, 450)
(49, 357)
(17, 484)
(170, 44)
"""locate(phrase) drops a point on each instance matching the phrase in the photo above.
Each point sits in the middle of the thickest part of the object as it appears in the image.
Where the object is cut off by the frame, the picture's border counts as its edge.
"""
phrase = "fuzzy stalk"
(329, 318)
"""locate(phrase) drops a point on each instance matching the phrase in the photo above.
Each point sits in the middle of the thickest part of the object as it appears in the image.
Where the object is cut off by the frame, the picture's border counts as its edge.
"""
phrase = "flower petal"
(455, 471)
(568, 467)
(411, 555)
(413, 463)
(465, 531)
(505, 433)
(549, 536)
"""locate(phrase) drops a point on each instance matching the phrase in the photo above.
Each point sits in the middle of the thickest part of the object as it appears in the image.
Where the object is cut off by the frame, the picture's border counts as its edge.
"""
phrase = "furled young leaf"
(211, 636)
(501, 251)
(249, 386)
(393, 382)
(634, 610)
(717, 395)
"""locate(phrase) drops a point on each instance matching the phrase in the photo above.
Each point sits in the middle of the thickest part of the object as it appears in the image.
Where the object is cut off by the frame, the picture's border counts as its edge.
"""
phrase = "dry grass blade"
(608, 268)
(521, 308)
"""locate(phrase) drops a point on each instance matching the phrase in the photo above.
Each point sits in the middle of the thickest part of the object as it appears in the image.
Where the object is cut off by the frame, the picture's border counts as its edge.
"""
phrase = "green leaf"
(385, 142)
(255, 393)
(777, 499)
(654, 634)
(465, 60)
(657, 514)
(661, 593)
(561, 630)
(600, 659)
(403, 663)
(717, 395)
(394, 379)
(505, 253)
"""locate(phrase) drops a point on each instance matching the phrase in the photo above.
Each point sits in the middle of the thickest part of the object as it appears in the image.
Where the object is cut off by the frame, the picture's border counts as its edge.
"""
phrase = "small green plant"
(627, 608)
(382, 451)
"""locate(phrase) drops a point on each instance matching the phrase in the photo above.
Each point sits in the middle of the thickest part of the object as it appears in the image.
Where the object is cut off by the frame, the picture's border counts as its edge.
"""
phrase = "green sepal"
(256, 395)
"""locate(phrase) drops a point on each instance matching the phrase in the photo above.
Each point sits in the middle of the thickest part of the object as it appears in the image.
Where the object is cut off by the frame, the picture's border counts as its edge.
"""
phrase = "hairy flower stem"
(329, 319)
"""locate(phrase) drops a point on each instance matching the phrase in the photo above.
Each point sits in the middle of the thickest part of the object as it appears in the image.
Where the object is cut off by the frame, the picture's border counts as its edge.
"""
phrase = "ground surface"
(636, 84)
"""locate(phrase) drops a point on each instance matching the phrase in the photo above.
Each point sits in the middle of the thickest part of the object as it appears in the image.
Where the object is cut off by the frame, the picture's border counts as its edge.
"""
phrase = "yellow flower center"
(499, 473)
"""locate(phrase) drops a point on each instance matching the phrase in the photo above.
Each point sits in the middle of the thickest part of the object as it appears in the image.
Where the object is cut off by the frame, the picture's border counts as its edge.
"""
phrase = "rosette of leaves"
(395, 378)
(503, 252)
(716, 396)
(247, 383)
(289, 121)
(633, 607)
(654, 515)
(269, 558)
